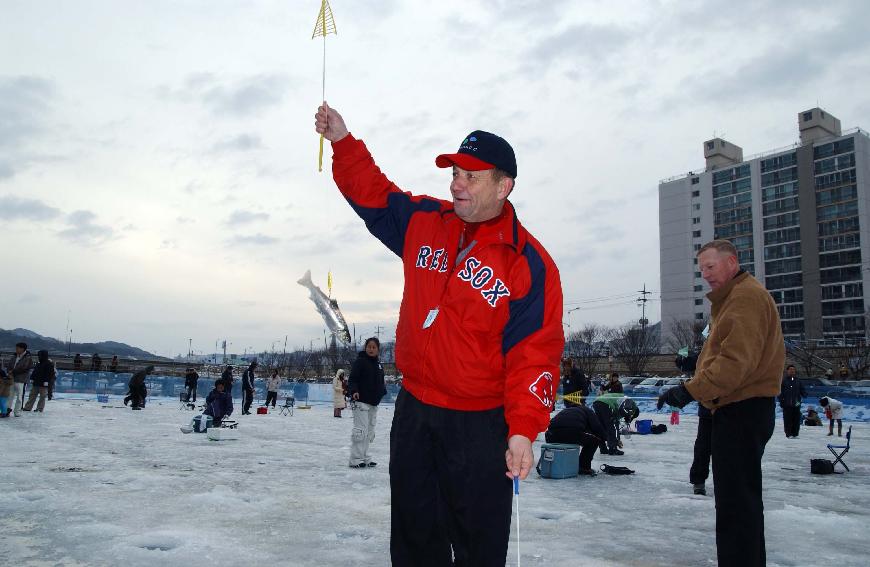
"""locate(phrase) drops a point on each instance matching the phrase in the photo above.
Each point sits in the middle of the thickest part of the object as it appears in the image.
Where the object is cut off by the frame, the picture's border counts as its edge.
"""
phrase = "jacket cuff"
(525, 427)
(343, 146)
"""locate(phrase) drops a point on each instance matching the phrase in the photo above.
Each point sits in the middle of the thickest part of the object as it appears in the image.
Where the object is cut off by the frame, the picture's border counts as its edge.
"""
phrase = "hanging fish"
(328, 309)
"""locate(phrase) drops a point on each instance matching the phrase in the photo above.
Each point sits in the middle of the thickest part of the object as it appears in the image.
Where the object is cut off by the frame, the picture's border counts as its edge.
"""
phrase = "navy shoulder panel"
(389, 223)
(527, 314)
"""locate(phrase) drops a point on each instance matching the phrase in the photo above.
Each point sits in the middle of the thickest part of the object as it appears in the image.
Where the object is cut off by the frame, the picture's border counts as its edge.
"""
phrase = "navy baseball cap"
(479, 151)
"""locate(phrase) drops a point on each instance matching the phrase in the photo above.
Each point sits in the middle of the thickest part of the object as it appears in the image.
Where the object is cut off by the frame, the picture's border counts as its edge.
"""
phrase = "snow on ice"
(87, 483)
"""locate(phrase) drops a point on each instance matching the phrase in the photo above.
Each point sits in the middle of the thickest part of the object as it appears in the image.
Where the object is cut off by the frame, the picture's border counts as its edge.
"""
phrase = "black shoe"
(359, 466)
(617, 452)
(700, 489)
(586, 472)
(371, 464)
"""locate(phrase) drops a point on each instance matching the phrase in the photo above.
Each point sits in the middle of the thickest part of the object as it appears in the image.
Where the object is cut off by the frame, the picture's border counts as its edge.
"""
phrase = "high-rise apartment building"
(799, 218)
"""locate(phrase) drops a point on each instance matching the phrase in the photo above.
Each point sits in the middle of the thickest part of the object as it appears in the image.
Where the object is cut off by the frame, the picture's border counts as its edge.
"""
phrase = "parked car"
(670, 384)
(650, 386)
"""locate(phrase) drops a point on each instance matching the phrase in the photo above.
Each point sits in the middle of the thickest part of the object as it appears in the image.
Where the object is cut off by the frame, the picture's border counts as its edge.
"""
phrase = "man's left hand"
(519, 457)
(678, 396)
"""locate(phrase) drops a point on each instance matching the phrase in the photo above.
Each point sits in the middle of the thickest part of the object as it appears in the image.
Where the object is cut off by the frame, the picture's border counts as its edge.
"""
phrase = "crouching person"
(578, 425)
(218, 404)
(42, 376)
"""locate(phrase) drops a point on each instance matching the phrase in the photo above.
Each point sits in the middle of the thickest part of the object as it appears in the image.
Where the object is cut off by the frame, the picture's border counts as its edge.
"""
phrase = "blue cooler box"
(559, 460)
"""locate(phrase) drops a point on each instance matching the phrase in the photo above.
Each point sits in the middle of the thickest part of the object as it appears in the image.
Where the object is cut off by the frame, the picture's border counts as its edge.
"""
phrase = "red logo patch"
(542, 388)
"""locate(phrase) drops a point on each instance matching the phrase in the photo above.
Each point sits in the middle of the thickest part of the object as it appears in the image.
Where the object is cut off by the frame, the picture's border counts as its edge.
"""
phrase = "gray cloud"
(253, 240)
(16, 208)
(240, 98)
(24, 104)
(84, 231)
(245, 217)
(578, 45)
(240, 143)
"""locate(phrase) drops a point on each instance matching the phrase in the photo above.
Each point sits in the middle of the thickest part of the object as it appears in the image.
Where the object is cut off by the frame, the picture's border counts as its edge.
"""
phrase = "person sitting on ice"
(218, 403)
(812, 418)
(578, 425)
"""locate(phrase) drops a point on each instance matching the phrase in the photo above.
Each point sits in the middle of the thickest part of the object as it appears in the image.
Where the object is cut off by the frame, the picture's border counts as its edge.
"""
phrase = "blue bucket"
(103, 398)
(644, 426)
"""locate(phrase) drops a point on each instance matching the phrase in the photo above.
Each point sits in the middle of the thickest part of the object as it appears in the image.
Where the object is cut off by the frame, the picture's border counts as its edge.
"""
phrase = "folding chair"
(183, 401)
(845, 449)
(289, 404)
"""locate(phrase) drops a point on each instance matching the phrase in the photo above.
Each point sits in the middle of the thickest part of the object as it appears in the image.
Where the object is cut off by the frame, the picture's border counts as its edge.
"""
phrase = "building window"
(699, 288)
(697, 248)
(695, 261)
(696, 234)
(696, 193)
(710, 145)
(699, 316)
(699, 302)
(808, 116)
(697, 274)
(697, 206)
(696, 220)
(695, 180)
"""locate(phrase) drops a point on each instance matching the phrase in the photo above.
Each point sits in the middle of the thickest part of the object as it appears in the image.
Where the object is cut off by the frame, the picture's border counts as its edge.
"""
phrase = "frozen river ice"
(93, 484)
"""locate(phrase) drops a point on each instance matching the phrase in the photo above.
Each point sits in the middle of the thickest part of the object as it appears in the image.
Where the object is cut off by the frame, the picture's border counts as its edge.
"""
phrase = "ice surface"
(93, 484)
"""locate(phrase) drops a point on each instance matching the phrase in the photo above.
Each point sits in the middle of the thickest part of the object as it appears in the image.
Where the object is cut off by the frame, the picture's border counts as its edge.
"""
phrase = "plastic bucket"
(644, 426)
(103, 398)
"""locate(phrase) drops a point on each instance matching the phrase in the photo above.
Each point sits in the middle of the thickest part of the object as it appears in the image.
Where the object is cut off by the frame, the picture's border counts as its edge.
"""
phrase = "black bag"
(658, 428)
(821, 466)
(607, 469)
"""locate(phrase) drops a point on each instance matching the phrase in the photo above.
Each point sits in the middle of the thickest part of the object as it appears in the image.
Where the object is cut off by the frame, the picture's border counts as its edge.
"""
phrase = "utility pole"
(189, 347)
(642, 302)
(378, 331)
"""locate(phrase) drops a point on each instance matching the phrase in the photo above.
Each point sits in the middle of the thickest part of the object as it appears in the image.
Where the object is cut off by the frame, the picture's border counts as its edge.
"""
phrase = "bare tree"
(806, 356)
(634, 346)
(686, 333)
(586, 347)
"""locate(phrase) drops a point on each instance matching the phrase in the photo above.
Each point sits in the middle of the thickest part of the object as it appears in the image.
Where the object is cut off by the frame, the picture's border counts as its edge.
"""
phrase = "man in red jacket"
(478, 342)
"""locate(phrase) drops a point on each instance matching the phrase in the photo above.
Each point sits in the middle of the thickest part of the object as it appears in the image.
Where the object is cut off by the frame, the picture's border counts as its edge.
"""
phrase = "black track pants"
(701, 464)
(450, 495)
(791, 420)
(247, 400)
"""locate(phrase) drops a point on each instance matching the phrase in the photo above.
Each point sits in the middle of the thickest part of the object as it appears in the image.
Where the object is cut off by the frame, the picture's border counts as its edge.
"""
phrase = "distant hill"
(36, 342)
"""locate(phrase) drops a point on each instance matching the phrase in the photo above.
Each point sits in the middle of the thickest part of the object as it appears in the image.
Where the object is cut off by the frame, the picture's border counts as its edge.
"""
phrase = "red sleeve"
(533, 343)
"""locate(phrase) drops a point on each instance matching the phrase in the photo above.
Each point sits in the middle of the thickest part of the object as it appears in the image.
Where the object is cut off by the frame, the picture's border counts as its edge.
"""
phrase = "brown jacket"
(745, 352)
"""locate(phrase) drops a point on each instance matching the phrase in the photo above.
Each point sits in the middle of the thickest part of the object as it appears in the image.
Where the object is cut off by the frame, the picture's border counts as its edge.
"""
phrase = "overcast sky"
(158, 165)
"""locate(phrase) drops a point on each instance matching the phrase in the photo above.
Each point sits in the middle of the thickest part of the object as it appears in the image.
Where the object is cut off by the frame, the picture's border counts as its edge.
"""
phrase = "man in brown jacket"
(738, 378)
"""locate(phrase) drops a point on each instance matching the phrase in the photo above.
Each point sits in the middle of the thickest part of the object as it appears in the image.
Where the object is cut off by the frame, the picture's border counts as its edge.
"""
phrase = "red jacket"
(497, 337)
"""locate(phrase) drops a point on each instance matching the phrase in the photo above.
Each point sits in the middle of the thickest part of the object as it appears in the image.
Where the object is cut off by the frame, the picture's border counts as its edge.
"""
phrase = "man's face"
(790, 371)
(477, 197)
(717, 268)
(19, 350)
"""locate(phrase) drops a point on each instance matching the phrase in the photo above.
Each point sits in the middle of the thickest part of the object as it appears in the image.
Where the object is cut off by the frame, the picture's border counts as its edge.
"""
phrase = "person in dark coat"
(191, 378)
(77, 362)
(227, 377)
(137, 390)
(612, 385)
(578, 425)
(366, 387)
(791, 395)
(96, 362)
(573, 382)
(42, 376)
(218, 403)
(700, 469)
(248, 388)
(19, 366)
(113, 365)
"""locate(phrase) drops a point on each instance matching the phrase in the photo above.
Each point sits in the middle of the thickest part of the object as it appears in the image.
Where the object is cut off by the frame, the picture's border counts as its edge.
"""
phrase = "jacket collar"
(506, 229)
(718, 295)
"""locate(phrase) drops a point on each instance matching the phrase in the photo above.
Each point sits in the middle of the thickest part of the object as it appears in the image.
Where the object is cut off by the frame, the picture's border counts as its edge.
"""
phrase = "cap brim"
(465, 161)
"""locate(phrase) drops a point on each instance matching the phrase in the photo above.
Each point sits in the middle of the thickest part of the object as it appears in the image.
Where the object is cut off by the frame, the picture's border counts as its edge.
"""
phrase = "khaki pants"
(16, 398)
(364, 419)
(34, 390)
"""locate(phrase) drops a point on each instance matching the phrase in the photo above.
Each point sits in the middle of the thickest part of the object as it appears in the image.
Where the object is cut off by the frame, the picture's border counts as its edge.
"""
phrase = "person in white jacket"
(339, 386)
(834, 411)
(272, 385)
